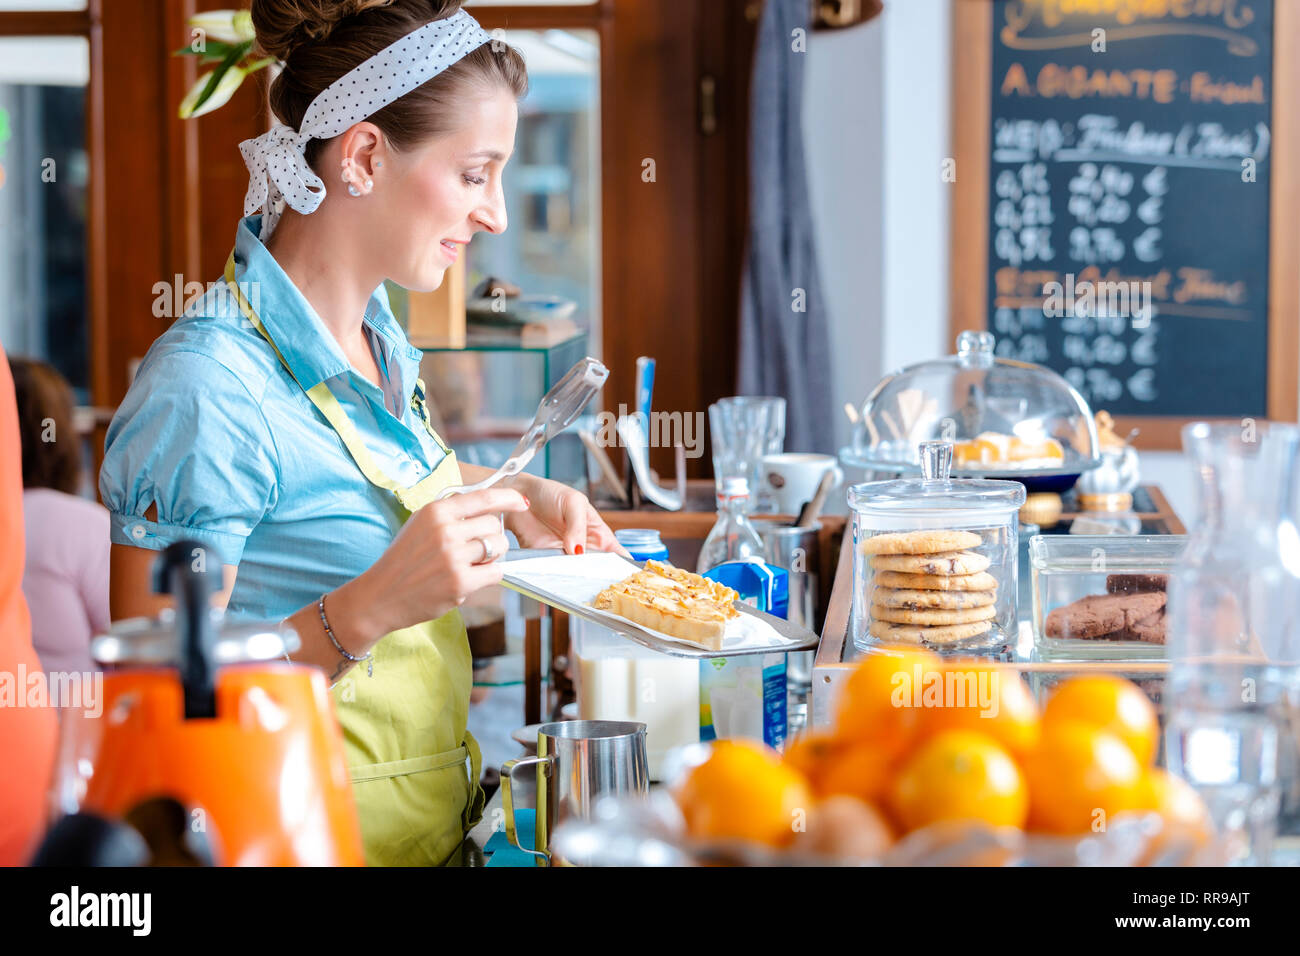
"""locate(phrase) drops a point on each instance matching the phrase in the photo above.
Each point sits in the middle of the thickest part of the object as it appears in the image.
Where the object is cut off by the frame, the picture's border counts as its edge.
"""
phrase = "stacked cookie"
(1132, 609)
(929, 587)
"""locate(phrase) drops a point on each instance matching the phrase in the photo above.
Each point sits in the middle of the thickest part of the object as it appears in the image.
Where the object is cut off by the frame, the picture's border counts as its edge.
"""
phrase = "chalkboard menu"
(1128, 194)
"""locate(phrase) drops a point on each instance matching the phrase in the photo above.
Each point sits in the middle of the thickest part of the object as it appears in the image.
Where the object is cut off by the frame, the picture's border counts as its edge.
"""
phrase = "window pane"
(43, 200)
(552, 183)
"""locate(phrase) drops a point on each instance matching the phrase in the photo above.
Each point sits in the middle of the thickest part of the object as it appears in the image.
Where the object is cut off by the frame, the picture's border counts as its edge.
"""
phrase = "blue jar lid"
(637, 537)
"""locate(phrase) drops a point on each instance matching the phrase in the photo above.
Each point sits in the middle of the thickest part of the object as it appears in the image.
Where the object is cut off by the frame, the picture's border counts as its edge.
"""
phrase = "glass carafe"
(1234, 636)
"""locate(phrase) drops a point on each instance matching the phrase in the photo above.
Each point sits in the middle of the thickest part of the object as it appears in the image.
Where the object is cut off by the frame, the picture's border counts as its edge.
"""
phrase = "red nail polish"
(527, 503)
(577, 549)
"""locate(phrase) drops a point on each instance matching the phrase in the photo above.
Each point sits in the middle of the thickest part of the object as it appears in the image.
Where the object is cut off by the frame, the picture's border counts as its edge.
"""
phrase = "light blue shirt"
(219, 436)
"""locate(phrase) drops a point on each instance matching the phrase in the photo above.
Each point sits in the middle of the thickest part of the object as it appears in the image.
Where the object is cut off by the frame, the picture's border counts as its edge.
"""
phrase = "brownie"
(1151, 629)
(1101, 615)
(1135, 583)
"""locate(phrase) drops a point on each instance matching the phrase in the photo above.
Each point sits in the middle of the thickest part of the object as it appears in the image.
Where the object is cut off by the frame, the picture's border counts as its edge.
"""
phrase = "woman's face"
(432, 199)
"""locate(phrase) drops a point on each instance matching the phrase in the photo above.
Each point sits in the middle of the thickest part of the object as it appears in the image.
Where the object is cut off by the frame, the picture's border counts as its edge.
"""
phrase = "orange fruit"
(1176, 801)
(833, 766)
(743, 791)
(879, 700)
(960, 775)
(1187, 825)
(986, 699)
(856, 770)
(1113, 704)
(1079, 777)
(811, 753)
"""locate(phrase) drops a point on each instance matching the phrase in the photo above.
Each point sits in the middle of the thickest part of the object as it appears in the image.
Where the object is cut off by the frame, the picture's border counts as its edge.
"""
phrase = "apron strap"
(477, 798)
(421, 407)
(325, 402)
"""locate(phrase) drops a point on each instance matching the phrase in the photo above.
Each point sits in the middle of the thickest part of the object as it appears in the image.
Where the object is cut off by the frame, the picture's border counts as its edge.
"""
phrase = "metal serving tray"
(798, 638)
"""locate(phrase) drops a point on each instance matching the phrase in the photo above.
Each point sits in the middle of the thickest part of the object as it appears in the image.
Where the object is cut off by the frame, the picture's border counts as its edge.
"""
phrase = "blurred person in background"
(27, 734)
(67, 554)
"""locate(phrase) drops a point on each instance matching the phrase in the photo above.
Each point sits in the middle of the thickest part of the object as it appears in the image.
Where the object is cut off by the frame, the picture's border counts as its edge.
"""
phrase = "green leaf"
(213, 50)
(216, 88)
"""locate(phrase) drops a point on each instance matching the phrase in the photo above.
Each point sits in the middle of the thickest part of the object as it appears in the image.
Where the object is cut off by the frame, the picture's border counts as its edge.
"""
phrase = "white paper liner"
(578, 578)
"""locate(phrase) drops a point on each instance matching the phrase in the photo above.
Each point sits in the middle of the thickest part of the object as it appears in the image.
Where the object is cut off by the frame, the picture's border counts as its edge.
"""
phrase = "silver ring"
(488, 553)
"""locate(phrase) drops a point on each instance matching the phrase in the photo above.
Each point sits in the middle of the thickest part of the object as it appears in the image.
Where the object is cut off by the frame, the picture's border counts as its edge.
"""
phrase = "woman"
(288, 435)
(66, 577)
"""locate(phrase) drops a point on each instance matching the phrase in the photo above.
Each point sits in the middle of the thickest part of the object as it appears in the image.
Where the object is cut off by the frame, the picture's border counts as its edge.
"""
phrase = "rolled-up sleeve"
(191, 439)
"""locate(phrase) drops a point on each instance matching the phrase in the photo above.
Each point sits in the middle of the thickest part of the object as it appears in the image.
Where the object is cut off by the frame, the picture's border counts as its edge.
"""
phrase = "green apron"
(404, 728)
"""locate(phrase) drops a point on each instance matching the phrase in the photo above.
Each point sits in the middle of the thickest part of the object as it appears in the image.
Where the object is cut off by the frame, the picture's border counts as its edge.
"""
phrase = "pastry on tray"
(996, 450)
(674, 602)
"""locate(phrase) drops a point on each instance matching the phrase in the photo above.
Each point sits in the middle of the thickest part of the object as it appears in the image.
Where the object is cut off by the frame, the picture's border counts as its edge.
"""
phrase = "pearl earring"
(347, 178)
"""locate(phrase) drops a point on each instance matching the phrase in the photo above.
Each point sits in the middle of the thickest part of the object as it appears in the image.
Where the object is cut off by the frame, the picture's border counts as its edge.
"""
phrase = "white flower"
(220, 96)
(227, 26)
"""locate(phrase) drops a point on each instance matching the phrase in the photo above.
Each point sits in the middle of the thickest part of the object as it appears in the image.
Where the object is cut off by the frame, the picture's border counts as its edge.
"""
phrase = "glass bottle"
(733, 537)
(1233, 695)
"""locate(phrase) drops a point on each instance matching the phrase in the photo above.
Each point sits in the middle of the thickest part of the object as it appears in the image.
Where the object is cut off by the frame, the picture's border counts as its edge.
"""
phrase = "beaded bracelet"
(368, 658)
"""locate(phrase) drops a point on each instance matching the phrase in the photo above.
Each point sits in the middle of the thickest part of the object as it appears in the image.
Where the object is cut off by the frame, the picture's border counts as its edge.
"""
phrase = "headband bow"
(277, 166)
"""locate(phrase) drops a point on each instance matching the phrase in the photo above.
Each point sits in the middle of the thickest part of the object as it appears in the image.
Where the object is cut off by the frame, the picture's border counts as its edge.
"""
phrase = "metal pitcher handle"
(507, 802)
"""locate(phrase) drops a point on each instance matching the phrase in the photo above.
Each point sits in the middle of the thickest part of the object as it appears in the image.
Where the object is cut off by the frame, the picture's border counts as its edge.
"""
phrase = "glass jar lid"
(935, 500)
(637, 537)
(156, 641)
(1005, 418)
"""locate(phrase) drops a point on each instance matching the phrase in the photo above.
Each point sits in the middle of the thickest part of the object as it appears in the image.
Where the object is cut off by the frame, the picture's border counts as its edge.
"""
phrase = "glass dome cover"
(1005, 418)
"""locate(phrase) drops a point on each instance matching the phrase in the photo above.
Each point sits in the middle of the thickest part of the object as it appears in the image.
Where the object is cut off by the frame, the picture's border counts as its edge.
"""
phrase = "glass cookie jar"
(934, 559)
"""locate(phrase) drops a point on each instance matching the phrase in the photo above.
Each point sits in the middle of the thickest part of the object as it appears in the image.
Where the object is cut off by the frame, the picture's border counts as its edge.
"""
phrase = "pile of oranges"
(920, 739)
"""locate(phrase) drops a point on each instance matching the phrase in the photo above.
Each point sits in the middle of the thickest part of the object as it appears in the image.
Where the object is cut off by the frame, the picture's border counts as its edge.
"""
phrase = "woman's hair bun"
(284, 25)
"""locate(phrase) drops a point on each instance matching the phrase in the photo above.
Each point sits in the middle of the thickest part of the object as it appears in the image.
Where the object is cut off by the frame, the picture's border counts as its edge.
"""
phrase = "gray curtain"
(783, 351)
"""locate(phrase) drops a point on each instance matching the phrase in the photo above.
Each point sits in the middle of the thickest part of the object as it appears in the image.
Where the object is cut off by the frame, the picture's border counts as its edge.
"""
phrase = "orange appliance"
(211, 719)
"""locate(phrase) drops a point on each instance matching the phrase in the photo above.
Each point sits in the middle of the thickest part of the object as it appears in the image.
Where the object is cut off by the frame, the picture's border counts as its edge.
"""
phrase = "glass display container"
(934, 559)
(1087, 582)
(1006, 419)
(1234, 651)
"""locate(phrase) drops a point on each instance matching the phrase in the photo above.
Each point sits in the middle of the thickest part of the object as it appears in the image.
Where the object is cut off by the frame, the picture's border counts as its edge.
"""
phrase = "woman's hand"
(559, 517)
(434, 563)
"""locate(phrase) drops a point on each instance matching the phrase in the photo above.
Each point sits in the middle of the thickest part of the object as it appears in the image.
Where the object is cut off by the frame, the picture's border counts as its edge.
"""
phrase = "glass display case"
(1006, 419)
(1101, 597)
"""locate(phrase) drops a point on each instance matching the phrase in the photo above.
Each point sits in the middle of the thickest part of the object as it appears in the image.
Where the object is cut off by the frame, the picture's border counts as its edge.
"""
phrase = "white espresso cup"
(791, 478)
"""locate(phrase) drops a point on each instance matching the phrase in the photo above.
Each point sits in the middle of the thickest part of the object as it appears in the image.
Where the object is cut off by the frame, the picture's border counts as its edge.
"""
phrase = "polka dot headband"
(277, 166)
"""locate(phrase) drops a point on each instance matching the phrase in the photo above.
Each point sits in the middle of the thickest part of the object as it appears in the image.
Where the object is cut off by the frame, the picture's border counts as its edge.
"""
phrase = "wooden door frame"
(972, 89)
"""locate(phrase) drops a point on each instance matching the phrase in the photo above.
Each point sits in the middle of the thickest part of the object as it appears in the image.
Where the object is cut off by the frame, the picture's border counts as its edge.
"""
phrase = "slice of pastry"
(674, 602)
